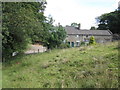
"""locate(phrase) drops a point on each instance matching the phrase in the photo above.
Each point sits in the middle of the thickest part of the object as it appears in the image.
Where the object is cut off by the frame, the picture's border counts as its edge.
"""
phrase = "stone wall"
(77, 39)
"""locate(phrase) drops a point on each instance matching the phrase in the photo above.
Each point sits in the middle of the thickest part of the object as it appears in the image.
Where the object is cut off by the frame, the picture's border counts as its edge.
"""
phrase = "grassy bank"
(83, 67)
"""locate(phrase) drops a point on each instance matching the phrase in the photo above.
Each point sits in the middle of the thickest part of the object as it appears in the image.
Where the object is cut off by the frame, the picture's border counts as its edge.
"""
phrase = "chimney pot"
(79, 26)
(119, 4)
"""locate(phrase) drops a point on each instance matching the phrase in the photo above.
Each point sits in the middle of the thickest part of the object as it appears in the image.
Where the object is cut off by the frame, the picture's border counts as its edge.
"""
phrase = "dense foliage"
(110, 21)
(77, 25)
(25, 23)
(57, 36)
(92, 40)
(74, 24)
(92, 28)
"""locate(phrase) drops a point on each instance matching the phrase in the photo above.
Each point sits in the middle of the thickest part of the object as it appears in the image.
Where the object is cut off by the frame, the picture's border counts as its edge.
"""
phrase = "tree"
(57, 36)
(109, 21)
(20, 23)
(92, 28)
(74, 24)
(24, 23)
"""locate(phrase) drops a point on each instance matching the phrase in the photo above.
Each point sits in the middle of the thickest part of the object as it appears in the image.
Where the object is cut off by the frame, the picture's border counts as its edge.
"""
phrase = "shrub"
(82, 43)
(92, 40)
(64, 45)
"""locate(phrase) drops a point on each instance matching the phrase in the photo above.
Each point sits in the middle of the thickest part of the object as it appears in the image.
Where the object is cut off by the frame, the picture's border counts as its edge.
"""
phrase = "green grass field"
(83, 67)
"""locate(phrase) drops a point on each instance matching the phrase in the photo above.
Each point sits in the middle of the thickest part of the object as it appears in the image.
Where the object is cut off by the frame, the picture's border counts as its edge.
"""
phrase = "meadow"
(94, 66)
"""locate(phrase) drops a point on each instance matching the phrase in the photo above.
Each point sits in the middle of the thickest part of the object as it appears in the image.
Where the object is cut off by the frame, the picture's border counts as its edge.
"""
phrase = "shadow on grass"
(118, 48)
(17, 59)
(13, 59)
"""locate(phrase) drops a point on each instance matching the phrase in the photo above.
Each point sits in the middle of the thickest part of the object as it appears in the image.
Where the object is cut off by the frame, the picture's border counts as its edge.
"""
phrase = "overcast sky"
(80, 11)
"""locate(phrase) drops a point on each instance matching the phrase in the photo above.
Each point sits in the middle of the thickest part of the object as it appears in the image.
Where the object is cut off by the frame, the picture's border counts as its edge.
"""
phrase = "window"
(77, 43)
(77, 36)
(69, 43)
(86, 35)
(72, 44)
(84, 39)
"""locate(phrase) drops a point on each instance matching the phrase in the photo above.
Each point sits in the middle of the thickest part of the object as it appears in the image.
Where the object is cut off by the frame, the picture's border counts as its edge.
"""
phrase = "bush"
(92, 40)
(64, 45)
(82, 43)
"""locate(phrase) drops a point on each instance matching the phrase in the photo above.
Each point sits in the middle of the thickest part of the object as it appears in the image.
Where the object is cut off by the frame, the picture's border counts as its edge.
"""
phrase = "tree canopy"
(24, 23)
(110, 21)
(74, 24)
(20, 21)
(92, 28)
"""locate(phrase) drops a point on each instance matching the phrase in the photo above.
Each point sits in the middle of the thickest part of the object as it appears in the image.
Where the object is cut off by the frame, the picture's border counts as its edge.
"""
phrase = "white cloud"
(68, 11)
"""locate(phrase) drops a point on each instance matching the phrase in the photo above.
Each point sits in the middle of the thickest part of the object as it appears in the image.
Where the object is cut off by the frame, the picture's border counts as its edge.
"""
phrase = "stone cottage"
(75, 35)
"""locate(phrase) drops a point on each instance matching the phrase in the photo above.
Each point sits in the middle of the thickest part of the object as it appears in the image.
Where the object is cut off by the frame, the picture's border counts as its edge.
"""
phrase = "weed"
(83, 67)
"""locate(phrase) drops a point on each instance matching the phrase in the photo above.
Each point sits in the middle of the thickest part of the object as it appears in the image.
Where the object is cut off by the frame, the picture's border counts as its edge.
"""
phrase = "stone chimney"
(119, 4)
(79, 26)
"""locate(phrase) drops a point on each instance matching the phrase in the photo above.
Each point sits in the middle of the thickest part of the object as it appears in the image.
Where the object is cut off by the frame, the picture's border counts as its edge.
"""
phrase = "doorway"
(72, 44)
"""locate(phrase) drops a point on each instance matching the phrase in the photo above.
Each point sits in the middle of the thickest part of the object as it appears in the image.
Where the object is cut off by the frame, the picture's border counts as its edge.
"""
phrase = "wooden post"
(38, 50)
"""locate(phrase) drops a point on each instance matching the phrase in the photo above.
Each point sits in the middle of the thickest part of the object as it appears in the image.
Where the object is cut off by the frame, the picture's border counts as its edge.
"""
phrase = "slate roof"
(73, 30)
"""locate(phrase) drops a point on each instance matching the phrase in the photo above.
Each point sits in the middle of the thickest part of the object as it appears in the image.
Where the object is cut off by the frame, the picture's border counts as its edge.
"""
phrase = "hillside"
(83, 67)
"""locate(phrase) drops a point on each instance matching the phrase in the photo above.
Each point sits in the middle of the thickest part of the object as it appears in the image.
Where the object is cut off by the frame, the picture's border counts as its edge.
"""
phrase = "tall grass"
(84, 67)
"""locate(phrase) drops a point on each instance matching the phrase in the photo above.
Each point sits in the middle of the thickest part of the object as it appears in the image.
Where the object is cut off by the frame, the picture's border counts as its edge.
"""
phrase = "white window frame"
(77, 35)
